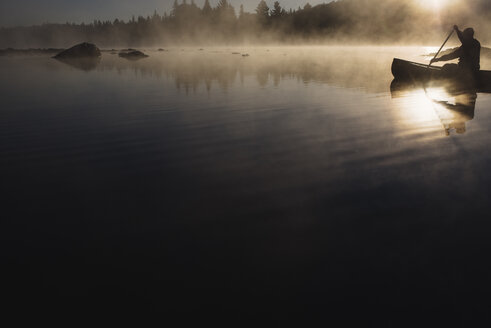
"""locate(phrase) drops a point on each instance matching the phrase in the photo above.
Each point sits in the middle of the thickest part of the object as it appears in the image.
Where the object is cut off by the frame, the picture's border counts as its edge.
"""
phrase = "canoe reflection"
(454, 106)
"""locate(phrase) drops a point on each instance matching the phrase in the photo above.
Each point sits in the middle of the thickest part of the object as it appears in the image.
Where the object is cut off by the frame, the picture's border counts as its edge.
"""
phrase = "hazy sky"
(29, 12)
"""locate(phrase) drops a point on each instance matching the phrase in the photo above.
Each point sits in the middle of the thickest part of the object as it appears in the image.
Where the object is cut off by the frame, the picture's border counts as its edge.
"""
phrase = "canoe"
(406, 70)
(411, 71)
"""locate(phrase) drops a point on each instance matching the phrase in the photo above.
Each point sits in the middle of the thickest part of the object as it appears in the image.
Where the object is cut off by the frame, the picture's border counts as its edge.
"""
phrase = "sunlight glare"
(416, 113)
(434, 4)
(423, 112)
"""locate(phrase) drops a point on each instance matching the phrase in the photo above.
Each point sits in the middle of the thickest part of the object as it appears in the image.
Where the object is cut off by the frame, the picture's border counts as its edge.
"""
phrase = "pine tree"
(206, 8)
(222, 5)
(277, 10)
(262, 11)
(241, 11)
(175, 8)
(156, 17)
(226, 13)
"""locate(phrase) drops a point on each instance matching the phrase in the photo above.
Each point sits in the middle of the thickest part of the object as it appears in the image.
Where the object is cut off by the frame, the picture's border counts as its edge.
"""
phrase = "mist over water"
(282, 185)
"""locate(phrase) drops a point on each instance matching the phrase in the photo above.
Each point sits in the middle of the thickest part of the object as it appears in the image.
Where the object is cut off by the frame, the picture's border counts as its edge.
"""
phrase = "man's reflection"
(462, 108)
(454, 107)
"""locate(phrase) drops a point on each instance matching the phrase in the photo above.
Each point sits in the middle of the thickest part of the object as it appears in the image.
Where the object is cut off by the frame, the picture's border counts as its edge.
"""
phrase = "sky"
(32, 12)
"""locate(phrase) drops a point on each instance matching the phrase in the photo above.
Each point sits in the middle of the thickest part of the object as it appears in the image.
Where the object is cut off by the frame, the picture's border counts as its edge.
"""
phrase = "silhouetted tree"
(262, 11)
(175, 7)
(225, 9)
(277, 11)
(206, 8)
(241, 11)
(246, 22)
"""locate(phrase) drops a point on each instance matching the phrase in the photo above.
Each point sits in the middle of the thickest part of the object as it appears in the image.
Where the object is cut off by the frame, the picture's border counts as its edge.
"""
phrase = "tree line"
(187, 23)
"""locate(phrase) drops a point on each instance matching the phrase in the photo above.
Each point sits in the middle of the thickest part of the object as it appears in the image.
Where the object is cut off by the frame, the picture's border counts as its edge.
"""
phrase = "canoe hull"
(411, 71)
(406, 70)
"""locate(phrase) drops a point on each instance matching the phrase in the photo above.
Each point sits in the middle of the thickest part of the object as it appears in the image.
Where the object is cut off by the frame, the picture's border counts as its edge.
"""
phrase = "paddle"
(424, 87)
(443, 45)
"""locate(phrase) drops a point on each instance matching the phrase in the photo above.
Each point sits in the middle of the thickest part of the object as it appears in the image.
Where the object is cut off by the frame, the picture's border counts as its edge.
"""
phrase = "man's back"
(470, 55)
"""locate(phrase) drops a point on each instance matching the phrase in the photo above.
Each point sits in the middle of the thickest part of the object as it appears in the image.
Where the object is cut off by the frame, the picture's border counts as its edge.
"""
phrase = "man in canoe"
(469, 53)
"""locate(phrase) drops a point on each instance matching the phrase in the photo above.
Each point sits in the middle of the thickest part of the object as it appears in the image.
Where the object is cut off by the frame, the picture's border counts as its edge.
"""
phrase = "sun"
(434, 4)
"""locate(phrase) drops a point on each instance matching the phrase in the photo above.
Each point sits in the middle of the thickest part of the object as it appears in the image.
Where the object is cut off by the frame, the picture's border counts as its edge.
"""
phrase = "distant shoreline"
(6, 52)
(29, 51)
(343, 21)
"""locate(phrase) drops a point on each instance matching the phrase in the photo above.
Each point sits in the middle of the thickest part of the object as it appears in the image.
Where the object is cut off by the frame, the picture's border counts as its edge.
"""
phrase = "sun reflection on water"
(434, 109)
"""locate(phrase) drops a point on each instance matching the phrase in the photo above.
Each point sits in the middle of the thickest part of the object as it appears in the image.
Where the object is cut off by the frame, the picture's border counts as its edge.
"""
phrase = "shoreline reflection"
(193, 69)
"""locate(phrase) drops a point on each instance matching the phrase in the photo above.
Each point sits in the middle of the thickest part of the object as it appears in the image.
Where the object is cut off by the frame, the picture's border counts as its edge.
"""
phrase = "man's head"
(469, 33)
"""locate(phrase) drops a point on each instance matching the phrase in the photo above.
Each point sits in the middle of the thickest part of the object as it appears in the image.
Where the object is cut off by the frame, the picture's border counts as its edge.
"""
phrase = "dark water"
(288, 185)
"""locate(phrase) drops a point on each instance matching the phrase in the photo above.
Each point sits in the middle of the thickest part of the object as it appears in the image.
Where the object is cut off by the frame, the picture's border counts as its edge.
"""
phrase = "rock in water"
(132, 54)
(82, 50)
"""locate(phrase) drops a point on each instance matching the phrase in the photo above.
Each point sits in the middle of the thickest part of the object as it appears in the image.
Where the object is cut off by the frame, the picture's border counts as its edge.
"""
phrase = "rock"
(82, 50)
(132, 54)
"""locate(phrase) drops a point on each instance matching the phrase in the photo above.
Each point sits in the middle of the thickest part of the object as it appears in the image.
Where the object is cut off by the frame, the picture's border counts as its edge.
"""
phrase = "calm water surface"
(293, 183)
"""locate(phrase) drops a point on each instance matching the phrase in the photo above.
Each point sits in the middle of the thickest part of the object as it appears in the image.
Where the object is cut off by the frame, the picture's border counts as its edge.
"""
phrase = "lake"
(267, 184)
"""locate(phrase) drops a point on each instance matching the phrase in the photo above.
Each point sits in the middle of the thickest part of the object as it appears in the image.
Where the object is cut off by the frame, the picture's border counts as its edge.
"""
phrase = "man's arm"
(450, 56)
(459, 33)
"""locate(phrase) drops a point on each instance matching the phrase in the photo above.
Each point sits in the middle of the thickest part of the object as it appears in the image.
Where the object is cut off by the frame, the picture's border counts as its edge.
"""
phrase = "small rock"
(132, 54)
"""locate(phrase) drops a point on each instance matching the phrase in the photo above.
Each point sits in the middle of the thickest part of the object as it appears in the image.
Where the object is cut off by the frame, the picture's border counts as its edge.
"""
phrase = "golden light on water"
(415, 112)
(434, 110)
